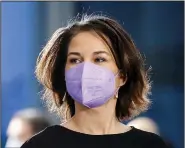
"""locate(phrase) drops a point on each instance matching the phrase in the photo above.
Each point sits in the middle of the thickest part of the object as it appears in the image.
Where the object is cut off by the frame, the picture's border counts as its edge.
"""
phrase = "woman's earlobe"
(123, 79)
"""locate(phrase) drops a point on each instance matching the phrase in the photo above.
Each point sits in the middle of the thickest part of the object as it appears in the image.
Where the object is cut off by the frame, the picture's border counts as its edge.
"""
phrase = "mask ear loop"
(64, 98)
(117, 90)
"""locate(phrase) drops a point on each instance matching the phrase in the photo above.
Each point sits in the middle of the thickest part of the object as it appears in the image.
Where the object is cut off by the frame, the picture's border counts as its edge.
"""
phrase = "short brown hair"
(50, 69)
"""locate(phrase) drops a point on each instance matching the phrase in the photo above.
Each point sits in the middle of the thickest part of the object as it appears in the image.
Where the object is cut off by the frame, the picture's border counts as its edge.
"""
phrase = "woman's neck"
(96, 121)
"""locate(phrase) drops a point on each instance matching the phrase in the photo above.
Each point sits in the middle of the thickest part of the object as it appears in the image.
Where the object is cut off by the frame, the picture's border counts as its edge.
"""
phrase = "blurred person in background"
(24, 125)
(148, 125)
(94, 76)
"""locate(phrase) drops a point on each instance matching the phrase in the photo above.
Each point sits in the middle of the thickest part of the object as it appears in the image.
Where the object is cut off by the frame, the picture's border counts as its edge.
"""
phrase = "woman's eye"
(99, 60)
(75, 61)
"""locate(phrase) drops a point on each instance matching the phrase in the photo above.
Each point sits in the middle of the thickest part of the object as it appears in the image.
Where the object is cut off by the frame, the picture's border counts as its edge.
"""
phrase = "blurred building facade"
(156, 27)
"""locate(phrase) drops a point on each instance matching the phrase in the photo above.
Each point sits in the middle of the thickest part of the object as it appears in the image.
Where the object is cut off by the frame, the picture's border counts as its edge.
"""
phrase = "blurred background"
(156, 27)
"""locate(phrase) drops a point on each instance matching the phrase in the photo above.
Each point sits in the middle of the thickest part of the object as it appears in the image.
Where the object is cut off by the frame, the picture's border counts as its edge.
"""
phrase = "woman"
(95, 76)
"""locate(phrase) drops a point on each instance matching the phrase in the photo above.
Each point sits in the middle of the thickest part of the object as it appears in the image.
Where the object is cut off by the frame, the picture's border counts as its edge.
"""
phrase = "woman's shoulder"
(150, 139)
(49, 134)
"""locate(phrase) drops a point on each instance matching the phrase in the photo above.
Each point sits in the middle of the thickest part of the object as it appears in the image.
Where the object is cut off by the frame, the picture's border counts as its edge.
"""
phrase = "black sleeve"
(28, 144)
(41, 139)
(32, 143)
(158, 142)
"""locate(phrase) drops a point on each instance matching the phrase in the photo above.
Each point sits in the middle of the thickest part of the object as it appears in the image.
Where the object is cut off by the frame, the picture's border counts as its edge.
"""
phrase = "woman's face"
(89, 47)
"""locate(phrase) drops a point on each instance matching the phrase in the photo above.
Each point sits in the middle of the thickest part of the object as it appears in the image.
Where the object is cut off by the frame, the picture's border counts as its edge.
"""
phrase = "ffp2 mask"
(90, 84)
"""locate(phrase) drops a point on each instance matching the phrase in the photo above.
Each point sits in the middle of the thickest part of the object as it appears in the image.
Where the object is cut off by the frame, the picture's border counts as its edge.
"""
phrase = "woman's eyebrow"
(74, 53)
(101, 52)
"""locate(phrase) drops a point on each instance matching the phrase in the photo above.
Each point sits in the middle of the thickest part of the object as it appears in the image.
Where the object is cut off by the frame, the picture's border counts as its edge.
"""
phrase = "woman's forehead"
(88, 42)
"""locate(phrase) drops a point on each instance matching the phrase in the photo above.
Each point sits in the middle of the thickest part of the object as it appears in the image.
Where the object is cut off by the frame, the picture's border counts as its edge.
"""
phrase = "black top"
(60, 137)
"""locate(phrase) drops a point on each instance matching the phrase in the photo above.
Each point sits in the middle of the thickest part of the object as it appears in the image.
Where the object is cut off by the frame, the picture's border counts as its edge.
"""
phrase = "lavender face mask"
(90, 84)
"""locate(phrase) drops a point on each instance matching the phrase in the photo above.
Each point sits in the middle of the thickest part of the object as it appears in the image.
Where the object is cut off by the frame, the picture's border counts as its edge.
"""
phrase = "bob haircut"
(50, 68)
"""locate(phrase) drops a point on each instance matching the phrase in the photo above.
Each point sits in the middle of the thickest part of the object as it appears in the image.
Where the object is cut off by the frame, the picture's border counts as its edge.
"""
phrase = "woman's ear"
(122, 79)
